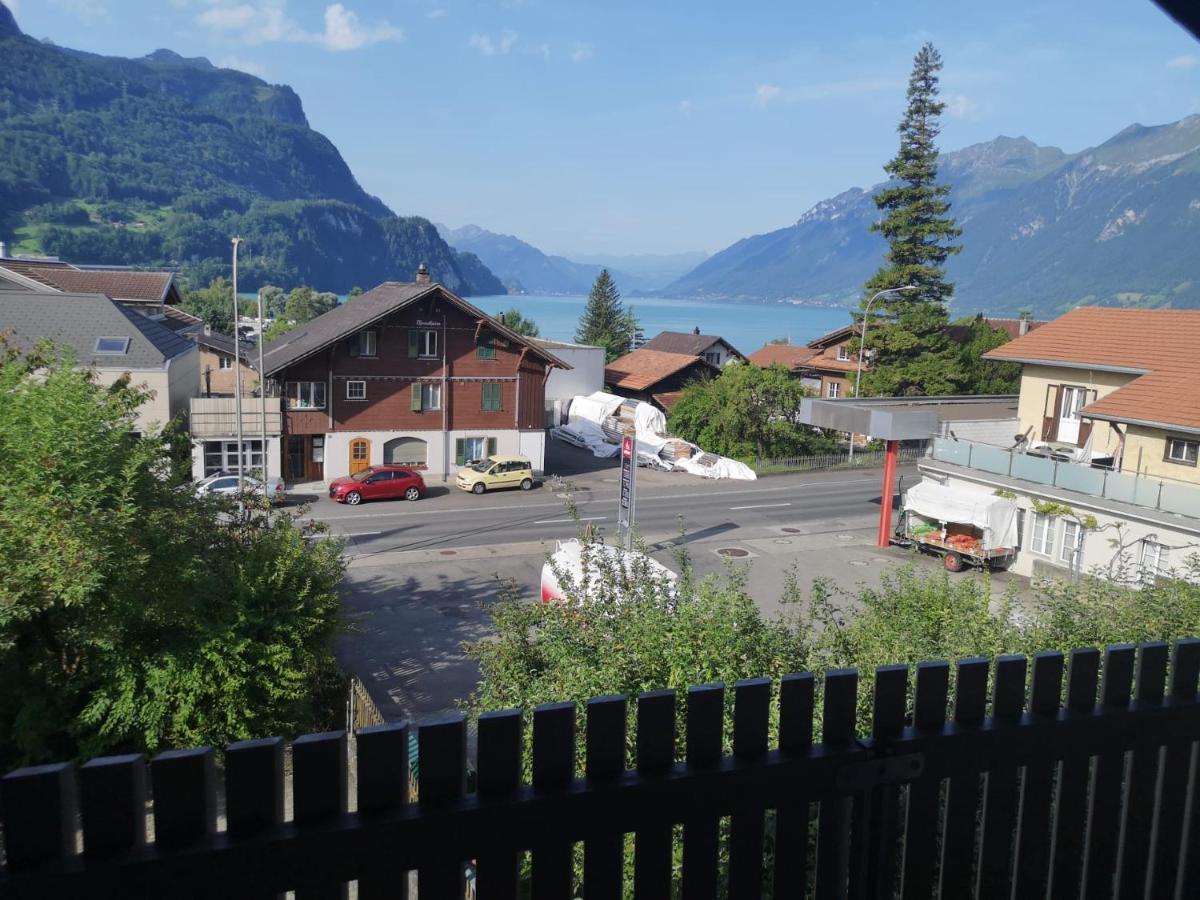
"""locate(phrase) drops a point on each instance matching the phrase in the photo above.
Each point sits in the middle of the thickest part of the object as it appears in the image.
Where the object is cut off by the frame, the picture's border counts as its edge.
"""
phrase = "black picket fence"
(1080, 781)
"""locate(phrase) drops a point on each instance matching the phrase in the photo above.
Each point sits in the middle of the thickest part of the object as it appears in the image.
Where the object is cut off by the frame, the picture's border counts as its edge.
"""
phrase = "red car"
(378, 483)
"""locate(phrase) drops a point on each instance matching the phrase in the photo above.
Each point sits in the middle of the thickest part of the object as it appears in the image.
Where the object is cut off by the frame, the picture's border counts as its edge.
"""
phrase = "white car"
(223, 484)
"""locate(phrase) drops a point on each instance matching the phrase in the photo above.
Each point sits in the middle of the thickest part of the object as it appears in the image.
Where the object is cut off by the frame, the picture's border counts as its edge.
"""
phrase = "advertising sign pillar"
(628, 478)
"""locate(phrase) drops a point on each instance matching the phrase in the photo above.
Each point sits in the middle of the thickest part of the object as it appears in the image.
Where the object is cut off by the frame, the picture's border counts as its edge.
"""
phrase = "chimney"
(1023, 328)
(3, 250)
(696, 330)
(422, 274)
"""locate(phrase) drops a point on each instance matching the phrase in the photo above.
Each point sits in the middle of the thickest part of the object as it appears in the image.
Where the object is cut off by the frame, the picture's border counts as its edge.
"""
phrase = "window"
(486, 348)
(491, 397)
(306, 395)
(225, 362)
(422, 343)
(473, 449)
(426, 395)
(1042, 536)
(1182, 451)
(221, 456)
(318, 448)
(363, 343)
(116, 345)
(833, 389)
(714, 358)
(1072, 545)
(843, 352)
(356, 390)
(1154, 560)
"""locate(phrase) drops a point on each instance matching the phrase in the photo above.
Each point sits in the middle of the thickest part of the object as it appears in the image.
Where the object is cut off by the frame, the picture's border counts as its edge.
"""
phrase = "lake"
(747, 326)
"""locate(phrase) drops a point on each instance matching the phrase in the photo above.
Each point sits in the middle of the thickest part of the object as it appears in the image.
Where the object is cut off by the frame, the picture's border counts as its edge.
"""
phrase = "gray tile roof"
(223, 343)
(347, 318)
(688, 343)
(79, 320)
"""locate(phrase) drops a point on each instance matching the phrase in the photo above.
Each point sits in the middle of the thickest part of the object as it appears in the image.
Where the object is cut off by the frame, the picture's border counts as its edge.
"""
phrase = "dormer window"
(363, 343)
(117, 346)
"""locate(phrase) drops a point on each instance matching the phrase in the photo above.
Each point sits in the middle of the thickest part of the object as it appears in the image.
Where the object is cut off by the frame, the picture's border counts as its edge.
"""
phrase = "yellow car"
(496, 472)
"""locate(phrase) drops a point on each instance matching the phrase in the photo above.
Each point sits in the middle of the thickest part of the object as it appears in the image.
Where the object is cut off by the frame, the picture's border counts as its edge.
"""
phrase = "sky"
(656, 127)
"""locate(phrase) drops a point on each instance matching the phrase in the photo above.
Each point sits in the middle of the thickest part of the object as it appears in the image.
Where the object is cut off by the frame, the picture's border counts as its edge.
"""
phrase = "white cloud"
(765, 93)
(580, 52)
(489, 46)
(1186, 61)
(242, 65)
(959, 106)
(435, 13)
(268, 22)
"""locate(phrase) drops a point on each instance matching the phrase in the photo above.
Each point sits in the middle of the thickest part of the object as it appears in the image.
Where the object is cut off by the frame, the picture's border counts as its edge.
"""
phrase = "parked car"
(225, 484)
(496, 472)
(378, 483)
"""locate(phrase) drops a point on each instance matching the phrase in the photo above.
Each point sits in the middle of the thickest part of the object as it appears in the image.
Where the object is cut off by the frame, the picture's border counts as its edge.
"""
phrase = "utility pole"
(862, 345)
(262, 397)
(237, 370)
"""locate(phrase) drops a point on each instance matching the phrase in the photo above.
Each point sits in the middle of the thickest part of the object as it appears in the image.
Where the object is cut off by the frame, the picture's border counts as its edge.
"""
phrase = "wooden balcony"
(217, 416)
(1069, 776)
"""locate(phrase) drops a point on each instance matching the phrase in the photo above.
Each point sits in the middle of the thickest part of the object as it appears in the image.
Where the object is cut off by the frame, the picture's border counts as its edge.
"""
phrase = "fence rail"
(1092, 797)
(866, 459)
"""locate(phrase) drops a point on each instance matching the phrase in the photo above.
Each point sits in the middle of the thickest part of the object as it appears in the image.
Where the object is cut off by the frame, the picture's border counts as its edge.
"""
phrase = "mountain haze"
(1117, 224)
(161, 160)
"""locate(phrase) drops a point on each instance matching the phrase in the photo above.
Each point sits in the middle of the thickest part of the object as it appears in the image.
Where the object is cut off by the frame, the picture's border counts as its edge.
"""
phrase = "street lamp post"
(862, 343)
(237, 375)
(262, 396)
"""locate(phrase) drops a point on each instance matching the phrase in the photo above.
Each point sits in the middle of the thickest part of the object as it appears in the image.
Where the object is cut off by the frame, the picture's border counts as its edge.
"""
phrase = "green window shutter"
(491, 442)
(412, 343)
(416, 396)
(460, 452)
(491, 397)
(486, 348)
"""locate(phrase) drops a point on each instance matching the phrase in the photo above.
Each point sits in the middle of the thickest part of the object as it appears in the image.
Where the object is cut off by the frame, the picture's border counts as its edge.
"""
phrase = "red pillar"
(889, 489)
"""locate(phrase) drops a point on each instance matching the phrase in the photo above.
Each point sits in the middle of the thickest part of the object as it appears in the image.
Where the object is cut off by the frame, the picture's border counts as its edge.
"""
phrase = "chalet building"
(655, 376)
(407, 373)
(219, 362)
(712, 349)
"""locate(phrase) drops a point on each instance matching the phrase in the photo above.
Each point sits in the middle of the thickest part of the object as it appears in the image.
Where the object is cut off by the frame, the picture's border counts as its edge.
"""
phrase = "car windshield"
(363, 475)
(483, 465)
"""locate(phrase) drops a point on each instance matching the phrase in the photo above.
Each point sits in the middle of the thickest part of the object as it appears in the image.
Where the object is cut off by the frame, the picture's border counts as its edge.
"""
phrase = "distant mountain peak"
(171, 58)
(8, 23)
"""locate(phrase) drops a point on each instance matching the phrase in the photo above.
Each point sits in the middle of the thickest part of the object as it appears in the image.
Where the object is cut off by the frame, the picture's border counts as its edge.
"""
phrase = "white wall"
(440, 454)
(586, 377)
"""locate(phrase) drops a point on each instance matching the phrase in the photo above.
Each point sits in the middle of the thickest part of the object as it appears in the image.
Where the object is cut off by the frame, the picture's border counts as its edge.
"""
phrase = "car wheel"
(526, 484)
(354, 498)
(412, 494)
(479, 488)
(953, 562)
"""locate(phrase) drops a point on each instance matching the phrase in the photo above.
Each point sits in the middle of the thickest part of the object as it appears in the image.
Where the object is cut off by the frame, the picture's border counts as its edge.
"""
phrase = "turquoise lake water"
(746, 326)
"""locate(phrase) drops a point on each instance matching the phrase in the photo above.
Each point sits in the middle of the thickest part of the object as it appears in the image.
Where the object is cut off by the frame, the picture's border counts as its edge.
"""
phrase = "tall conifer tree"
(912, 354)
(605, 321)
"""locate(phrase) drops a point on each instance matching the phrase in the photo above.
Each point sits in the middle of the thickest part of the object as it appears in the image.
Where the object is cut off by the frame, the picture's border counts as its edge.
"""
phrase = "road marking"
(759, 506)
(580, 519)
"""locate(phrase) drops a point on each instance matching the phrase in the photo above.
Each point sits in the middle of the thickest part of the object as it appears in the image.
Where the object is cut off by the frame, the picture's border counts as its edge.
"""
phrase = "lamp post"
(262, 398)
(237, 375)
(862, 343)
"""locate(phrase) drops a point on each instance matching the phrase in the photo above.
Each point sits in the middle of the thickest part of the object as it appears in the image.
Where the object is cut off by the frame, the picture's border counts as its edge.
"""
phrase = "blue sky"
(627, 127)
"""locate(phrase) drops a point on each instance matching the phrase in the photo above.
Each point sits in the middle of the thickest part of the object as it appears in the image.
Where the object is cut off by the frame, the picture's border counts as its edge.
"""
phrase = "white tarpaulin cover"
(724, 467)
(994, 516)
(594, 408)
(588, 435)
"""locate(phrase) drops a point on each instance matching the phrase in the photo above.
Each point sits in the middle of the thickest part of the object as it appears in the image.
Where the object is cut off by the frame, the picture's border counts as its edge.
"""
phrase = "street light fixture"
(862, 343)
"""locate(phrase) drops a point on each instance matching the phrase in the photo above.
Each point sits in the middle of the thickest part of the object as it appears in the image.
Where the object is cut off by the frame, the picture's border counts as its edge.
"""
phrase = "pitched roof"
(644, 368)
(833, 337)
(667, 399)
(686, 342)
(178, 320)
(347, 318)
(223, 343)
(79, 320)
(783, 354)
(120, 284)
(1159, 345)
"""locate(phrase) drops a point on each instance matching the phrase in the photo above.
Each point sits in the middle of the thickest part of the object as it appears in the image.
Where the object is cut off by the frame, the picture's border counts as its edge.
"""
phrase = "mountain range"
(525, 269)
(161, 160)
(1045, 230)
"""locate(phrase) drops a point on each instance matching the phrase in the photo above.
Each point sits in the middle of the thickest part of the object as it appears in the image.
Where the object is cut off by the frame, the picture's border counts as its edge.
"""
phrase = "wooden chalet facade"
(407, 373)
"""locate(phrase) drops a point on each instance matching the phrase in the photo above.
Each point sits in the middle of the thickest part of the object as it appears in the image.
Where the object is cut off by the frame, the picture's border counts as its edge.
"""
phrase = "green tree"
(355, 291)
(304, 304)
(273, 299)
(213, 304)
(512, 319)
(133, 614)
(911, 353)
(973, 337)
(605, 321)
(747, 411)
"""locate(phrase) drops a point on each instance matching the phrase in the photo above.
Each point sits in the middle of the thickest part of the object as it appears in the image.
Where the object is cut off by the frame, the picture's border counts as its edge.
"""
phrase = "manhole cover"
(788, 529)
(880, 559)
(782, 541)
(859, 563)
(845, 537)
(733, 552)
(448, 552)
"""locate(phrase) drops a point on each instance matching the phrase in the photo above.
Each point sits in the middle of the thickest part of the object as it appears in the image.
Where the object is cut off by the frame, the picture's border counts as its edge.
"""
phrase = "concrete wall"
(586, 377)
(1036, 380)
(440, 462)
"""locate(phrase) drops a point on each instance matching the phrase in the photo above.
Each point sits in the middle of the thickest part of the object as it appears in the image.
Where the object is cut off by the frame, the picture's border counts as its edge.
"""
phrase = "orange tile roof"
(783, 354)
(644, 368)
(667, 399)
(1162, 346)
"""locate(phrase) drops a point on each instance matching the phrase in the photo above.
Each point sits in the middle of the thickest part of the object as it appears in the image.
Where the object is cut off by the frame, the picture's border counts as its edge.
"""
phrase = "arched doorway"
(406, 451)
(360, 455)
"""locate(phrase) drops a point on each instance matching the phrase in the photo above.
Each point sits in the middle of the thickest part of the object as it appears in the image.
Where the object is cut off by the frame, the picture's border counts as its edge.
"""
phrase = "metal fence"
(865, 460)
(1077, 779)
(1150, 492)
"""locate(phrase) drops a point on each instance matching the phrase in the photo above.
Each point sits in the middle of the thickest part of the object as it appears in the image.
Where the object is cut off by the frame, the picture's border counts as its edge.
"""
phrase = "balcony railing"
(1092, 797)
(217, 416)
(1146, 491)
